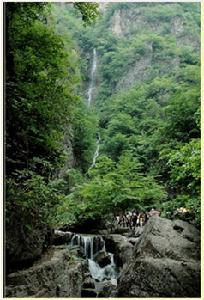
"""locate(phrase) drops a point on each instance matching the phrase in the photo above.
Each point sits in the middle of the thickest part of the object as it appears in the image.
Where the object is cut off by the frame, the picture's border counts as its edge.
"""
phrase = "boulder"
(102, 258)
(133, 240)
(165, 262)
(176, 239)
(60, 237)
(120, 246)
(88, 283)
(103, 232)
(56, 274)
(122, 230)
(138, 231)
(107, 291)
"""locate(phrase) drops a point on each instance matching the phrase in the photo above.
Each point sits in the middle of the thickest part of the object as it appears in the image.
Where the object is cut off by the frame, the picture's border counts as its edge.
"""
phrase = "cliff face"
(143, 41)
(134, 42)
(136, 19)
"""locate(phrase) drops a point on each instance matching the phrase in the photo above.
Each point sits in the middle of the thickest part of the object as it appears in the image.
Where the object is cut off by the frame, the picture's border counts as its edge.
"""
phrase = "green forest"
(145, 108)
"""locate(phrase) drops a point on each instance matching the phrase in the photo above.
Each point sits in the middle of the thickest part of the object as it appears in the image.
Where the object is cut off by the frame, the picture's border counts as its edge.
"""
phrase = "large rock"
(108, 290)
(25, 244)
(133, 240)
(60, 237)
(54, 275)
(138, 231)
(88, 283)
(102, 258)
(165, 262)
(120, 246)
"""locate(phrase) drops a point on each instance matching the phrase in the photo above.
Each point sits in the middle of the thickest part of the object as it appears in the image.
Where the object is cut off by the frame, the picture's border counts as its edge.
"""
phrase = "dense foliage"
(158, 115)
(47, 124)
(147, 101)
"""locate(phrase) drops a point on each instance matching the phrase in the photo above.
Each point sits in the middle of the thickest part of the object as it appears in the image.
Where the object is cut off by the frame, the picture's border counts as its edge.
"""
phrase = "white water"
(108, 272)
(90, 96)
(90, 246)
(93, 70)
(96, 154)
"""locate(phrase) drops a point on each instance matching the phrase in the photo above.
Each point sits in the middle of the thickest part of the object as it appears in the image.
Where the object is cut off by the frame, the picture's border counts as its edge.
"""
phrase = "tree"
(89, 11)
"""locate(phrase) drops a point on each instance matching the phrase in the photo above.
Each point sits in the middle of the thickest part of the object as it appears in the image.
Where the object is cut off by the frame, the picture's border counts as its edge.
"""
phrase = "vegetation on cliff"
(148, 101)
(146, 108)
(46, 119)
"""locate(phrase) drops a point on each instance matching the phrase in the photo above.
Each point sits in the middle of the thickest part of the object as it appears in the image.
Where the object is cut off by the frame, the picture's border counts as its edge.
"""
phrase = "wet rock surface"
(120, 246)
(61, 237)
(102, 258)
(54, 275)
(108, 290)
(133, 240)
(165, 262)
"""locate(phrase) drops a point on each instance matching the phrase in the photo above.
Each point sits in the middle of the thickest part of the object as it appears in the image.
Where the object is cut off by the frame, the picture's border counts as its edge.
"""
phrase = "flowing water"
(90, 96)
(93, 70)
(96, 154)
(90, 246)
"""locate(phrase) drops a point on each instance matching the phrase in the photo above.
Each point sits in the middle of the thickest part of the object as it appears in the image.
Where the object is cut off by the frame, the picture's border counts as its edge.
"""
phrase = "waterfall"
(96, 154)
(90, 95)
(93, 70)
(90, 246)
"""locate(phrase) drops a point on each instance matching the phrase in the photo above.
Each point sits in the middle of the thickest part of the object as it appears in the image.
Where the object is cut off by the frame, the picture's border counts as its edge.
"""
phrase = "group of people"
(135, 218)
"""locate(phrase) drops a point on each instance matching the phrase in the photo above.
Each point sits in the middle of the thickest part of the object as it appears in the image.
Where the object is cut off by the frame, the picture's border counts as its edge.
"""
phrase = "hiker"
(142, 219)
(134, 218)
(129, 219)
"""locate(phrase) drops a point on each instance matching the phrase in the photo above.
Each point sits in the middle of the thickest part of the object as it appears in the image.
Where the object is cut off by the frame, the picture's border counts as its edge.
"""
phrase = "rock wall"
(127, 23)
(56, 274)
(23, 246)
(165, 262)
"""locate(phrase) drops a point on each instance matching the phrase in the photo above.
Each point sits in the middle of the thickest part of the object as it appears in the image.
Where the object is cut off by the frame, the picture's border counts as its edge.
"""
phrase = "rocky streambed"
(162, 261)
(77, 265)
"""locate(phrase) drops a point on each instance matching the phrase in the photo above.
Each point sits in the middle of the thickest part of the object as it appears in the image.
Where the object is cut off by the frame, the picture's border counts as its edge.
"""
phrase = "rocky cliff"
(165, 262)
(137, 42)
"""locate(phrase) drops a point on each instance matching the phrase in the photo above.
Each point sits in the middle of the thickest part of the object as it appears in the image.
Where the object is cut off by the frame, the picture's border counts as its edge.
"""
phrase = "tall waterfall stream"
(93, 71)
(90, 97)
(91, 246)
(96, 154)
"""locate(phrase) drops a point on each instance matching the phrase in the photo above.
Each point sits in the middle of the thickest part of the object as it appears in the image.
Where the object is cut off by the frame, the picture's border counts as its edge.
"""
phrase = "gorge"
(102, 121)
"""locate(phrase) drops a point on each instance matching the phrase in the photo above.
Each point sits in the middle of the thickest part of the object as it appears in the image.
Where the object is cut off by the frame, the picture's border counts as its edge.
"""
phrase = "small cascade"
(93, 70)
(90, 246)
